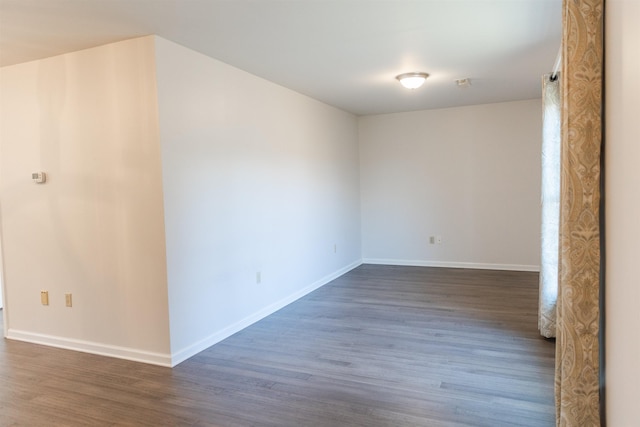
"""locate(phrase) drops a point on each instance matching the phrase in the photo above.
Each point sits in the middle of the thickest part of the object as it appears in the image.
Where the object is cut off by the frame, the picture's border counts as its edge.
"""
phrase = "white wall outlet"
(438, 239)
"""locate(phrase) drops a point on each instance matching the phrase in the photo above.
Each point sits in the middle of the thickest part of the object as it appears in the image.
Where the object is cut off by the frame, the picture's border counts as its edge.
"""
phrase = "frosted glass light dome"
(412, 80)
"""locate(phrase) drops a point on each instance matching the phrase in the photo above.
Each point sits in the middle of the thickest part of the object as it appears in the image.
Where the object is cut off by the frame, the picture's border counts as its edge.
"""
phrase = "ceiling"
(345, 53)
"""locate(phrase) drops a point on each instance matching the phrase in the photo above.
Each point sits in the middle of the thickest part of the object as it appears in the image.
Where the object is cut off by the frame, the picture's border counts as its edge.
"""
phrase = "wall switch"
(67, 300)
(438, 239)
(335, 248)
(432, 239)
(44, 297)
(258, 277)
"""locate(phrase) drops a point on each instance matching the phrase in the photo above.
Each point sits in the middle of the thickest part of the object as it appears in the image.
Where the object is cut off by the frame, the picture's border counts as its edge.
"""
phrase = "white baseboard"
(170, 360)
(448, 264)
(91, 347)
(218, 336)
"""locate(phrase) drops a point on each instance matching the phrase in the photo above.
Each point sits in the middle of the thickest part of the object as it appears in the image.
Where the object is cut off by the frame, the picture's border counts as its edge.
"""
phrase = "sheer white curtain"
(550, 205)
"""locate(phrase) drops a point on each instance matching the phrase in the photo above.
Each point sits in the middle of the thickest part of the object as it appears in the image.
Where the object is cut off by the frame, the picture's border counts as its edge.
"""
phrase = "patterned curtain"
(550, 205)
(578, 315)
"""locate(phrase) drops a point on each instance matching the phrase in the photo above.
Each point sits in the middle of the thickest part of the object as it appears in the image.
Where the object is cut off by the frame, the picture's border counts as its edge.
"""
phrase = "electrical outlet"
(44, 297)
(67, 300)
(335, 248)
(438, 239)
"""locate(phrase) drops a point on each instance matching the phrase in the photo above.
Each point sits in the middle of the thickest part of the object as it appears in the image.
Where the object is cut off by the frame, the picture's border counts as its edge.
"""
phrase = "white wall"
(468, 174)
(257, 178)
(95, 229)
(1, 273)
(622, 106)
(254, 178)
(1, 266)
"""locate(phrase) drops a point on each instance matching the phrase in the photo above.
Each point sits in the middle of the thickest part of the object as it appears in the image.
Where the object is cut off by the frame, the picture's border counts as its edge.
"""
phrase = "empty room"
(319, 213)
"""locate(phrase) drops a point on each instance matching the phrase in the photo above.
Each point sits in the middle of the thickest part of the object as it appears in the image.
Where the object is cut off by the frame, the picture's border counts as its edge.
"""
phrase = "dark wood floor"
(380, 346)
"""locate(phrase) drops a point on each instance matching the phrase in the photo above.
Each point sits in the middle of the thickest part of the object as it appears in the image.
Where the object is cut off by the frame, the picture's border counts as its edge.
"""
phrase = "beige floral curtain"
(578, 316)
(550, 201)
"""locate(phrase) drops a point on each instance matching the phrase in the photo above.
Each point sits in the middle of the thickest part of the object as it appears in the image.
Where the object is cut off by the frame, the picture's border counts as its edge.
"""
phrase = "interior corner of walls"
(126, 353)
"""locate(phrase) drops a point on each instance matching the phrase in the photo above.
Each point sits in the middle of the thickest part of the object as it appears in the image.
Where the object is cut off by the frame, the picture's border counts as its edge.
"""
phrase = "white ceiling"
(343, 52)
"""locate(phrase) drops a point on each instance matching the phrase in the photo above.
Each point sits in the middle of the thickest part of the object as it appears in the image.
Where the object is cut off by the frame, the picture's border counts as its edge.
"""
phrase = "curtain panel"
(550, 202)
(578, 313)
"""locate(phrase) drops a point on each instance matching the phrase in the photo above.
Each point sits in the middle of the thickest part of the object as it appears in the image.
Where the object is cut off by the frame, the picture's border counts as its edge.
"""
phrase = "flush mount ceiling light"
(412, 80)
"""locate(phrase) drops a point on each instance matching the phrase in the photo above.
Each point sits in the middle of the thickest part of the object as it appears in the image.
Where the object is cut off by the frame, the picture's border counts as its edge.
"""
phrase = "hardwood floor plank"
(379, 346)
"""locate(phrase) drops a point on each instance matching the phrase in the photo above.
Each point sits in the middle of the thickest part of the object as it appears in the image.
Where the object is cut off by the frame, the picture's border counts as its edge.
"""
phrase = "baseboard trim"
(192, 350)
(170, 360)
(126, 353)
(448, 264)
